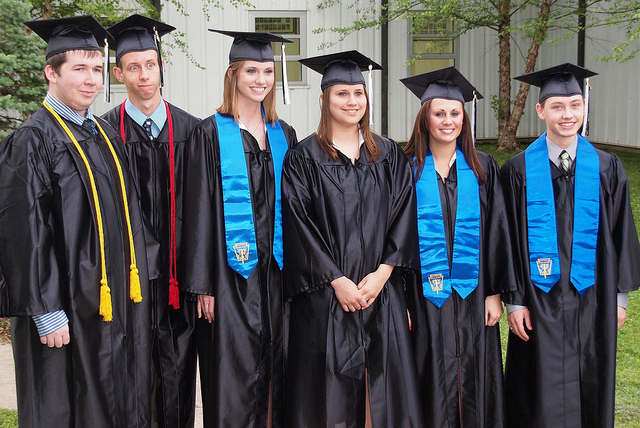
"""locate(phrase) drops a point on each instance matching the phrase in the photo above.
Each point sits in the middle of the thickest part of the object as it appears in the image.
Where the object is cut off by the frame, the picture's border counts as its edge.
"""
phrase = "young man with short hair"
(155, 134)
(576, 255)
(72, 250)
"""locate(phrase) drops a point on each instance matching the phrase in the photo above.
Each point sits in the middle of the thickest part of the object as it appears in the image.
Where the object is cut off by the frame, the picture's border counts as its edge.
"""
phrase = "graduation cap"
(69, 34)
(561, 81)
(344, 68)
(252, 46)
(447, 83)
(75, 33)
(341, 67)
(138, 33)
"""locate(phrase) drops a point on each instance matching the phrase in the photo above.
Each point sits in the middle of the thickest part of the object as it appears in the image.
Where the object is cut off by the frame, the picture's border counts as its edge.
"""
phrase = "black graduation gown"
(242, 350)
(459, 359)
(173, 340)
(564, 376)
(347, 219)
(50, 258)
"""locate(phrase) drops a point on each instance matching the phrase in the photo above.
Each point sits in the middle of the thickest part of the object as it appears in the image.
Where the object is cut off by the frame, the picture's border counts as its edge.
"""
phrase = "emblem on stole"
(242, 251)
(544, 266)
(436, 280)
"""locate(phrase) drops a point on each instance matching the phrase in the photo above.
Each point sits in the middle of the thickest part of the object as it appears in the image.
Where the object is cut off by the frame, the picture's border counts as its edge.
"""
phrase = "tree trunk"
(46, 12)
(507, 138)
(504, 72)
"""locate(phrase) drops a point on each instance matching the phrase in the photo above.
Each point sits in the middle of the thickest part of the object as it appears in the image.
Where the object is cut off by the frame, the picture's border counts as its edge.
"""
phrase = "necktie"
(565, 162)
(147, 127)
(90, 125)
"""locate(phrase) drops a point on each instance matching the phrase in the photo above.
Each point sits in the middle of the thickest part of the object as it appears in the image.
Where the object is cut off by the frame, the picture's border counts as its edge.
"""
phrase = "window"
(291, 25)
(430, 49)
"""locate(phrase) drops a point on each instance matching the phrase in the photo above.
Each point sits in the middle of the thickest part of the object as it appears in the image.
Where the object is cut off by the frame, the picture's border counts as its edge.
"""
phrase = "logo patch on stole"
(544, 266)
(242, 251)
(436, 280)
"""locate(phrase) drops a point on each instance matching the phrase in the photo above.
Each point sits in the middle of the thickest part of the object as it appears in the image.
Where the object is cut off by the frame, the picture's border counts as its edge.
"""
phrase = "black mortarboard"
(68, 34)
(248, 46)
(137, 33)
(445, 83)
(341, 68)
(558, 81)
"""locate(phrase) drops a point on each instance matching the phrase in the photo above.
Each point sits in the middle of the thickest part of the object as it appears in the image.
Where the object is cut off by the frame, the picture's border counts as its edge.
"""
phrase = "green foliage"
(22, 84)
(8, 418)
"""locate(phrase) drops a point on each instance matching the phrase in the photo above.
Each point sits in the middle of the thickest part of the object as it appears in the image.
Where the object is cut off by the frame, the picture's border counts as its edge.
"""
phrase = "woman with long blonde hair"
(232, 241)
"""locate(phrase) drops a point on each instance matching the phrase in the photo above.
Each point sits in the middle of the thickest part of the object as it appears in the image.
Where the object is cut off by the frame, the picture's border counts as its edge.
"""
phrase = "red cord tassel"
(174, 294)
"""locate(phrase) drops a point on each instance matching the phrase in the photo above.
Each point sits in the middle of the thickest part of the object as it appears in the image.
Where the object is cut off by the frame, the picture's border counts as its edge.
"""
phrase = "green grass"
(8, 418)
(628, 360)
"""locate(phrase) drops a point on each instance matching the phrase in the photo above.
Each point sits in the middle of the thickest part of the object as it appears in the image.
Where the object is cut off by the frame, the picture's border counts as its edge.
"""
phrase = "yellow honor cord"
(106, 310)
(134, 279)
(105, 292)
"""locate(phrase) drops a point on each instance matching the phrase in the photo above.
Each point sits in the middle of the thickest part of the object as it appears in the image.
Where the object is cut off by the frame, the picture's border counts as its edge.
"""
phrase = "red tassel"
(174, 294)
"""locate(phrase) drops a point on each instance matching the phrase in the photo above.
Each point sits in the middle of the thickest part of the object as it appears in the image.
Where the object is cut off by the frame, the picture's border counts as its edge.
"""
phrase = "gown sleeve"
(401, 247)
(497, 254)
(624, 234)
(308, 260)
(199, 212)
(513, 192)
(29, 261)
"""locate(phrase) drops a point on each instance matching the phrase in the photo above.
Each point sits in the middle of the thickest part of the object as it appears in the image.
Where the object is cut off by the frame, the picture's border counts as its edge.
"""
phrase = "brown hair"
(324, 133)
(56, 61)
(418, 145)
(229, 105)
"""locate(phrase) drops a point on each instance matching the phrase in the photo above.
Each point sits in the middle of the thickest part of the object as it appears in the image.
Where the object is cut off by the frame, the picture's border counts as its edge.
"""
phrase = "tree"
(22, 84)
(497, 15)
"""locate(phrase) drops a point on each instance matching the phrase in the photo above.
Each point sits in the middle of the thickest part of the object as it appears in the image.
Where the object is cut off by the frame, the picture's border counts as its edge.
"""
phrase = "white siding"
(614, 110)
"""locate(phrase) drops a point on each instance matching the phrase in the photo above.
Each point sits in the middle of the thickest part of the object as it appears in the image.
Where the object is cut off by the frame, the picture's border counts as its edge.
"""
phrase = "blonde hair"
(229, 105)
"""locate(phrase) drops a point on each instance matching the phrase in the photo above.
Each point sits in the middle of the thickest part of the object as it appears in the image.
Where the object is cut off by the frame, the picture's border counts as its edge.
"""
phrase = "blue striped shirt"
(67, 112)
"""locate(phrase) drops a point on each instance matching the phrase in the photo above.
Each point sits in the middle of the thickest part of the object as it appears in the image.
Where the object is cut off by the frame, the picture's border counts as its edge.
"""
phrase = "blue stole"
(544, 261)
(437, 279)
(238, 215)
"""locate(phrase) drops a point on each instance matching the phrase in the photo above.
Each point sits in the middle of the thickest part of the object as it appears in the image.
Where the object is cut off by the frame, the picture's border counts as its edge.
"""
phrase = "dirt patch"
(5, 331)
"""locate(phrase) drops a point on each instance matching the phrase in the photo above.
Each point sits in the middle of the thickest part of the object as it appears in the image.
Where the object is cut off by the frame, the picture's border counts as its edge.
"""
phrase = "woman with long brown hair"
(232, 241)
(464, 256)
(349, 220)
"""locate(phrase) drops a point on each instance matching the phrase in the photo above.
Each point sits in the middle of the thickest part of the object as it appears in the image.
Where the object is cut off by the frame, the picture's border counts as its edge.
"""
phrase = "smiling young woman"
(233, 241)
(348, 214)
(455, 300)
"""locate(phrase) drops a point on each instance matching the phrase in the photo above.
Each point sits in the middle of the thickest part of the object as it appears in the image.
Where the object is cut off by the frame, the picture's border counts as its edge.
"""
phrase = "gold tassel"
(105, 301)
(134, 285)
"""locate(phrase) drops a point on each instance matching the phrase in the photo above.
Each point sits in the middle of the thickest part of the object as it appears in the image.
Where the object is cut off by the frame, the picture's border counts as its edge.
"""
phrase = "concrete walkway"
(8, 385)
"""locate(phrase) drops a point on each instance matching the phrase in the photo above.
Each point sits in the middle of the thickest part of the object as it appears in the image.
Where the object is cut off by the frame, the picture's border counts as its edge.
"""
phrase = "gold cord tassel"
(105, 301)
(134, 285)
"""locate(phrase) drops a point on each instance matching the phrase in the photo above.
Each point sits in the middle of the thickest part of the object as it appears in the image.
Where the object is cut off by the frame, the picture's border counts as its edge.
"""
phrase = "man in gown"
(72, 250)
(576, 256)
(155, 134)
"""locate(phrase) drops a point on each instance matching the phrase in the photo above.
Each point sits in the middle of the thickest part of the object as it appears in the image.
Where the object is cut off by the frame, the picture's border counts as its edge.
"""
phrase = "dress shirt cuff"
(50, 322)
(623, 300)
(513, 308)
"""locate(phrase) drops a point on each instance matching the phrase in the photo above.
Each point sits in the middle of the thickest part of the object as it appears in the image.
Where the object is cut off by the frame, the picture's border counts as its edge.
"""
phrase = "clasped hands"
(354, 297)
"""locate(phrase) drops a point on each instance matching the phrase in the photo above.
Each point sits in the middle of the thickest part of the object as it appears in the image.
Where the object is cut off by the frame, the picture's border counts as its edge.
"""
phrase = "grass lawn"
(8, 418)
(628, 367)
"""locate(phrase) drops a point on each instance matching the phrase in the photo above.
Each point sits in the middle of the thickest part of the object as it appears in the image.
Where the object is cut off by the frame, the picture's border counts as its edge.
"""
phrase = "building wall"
(199, 91)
